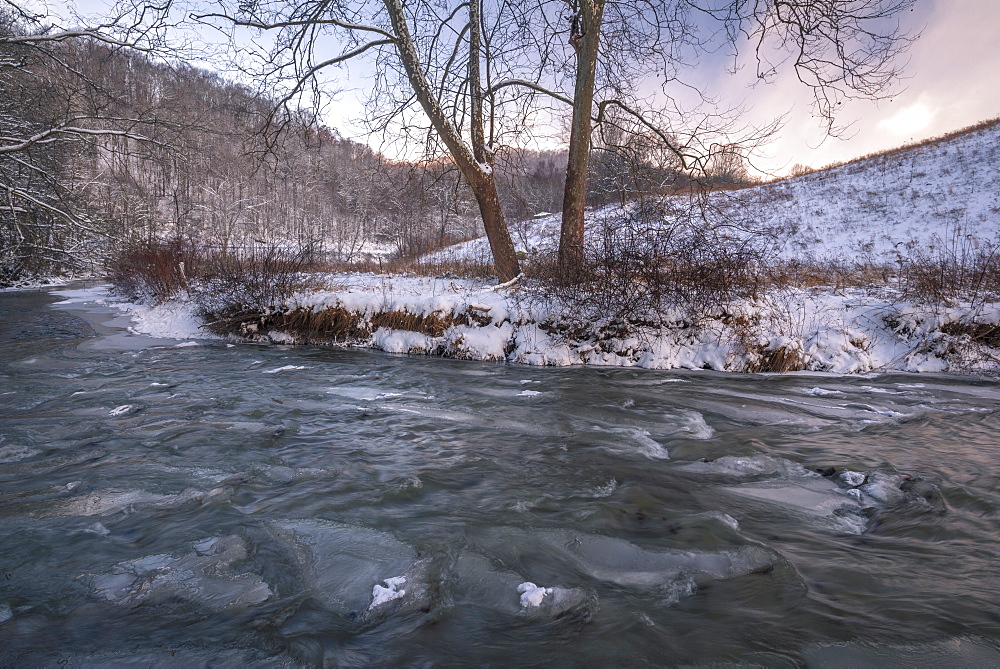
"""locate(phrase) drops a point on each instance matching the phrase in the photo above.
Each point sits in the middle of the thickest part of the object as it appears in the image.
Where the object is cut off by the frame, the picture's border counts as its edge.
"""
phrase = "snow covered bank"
(176, 319)
(816, 329)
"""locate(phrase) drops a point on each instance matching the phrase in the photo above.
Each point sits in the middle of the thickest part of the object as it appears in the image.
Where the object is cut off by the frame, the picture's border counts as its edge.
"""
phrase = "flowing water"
(166, 504)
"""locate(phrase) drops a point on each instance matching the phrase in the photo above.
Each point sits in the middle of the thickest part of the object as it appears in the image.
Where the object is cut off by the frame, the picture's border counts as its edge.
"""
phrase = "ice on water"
(479, 583)
(205, 577)
(343, 567)
(812, 496)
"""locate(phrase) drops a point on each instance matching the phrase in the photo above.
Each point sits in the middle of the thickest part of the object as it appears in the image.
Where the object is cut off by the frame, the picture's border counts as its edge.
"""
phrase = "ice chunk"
(478, 584)
(123, 410)
(884, 488)
(635, 440)
(665, 575)
(748, 466)
(815, 497)
(694, 424)
(204, 577)
(5, 613)
(852, 479)
(104, 503)
(285, 368)
(339, 563)
(98, 529)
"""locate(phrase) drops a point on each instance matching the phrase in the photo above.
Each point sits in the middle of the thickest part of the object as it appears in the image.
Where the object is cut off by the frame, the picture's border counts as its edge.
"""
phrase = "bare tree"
(436, 54)
(838, 48)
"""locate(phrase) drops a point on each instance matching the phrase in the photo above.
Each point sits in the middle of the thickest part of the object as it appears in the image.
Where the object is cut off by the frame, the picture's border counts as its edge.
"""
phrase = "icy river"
(198, 503)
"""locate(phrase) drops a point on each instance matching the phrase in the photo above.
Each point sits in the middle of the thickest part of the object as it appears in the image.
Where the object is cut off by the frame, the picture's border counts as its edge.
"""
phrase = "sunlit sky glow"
(952, 81)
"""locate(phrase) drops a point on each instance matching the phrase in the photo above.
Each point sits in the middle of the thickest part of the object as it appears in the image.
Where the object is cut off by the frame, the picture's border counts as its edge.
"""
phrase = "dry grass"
(457, 268)
(777, 361)
(814, 273)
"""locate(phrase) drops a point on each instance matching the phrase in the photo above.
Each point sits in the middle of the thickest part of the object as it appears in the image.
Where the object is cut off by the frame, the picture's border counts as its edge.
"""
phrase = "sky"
(952, 80)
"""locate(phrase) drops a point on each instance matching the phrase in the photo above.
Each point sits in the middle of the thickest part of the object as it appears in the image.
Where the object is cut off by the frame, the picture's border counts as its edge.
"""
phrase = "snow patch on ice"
(384, 594)
(531, 594)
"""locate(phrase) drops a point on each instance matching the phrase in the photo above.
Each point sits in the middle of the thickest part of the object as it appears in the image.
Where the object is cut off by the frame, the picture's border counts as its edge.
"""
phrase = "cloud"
(909, 120)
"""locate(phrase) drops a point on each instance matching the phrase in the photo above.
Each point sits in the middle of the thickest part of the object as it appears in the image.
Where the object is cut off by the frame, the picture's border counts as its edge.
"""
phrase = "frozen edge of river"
(815, 329)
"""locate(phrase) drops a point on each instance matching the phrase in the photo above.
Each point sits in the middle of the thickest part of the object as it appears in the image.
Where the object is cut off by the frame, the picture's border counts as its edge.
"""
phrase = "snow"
(176, 319)
(531, 594)
(382, 595)
(847, 331)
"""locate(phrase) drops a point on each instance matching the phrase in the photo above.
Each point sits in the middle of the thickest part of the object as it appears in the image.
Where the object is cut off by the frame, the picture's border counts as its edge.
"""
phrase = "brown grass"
(777, 361)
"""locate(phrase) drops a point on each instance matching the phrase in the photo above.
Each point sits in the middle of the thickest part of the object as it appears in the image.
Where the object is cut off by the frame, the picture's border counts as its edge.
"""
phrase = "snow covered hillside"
(940, 195)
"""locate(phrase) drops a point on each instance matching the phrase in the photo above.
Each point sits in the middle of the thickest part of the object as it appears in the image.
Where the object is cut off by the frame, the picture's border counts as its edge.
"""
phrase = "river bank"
(818, 329)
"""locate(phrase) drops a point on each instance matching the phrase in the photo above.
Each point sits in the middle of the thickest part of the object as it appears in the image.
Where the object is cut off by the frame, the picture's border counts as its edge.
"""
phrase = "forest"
(107, 148)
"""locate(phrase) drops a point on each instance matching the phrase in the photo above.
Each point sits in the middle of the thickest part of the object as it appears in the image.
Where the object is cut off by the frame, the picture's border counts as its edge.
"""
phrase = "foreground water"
(173, 504)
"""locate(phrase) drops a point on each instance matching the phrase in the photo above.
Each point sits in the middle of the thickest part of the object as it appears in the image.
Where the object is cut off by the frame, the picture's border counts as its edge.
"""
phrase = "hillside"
(931, 194)
(940, 194)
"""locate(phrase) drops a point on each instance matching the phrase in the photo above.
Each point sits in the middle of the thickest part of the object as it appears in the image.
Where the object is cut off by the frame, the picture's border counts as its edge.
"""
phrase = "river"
(199, 503)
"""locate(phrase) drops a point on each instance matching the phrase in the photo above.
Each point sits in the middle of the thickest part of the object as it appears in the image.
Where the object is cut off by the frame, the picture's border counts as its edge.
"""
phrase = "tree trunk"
(478, 174)
(504, 257)
(585, 39)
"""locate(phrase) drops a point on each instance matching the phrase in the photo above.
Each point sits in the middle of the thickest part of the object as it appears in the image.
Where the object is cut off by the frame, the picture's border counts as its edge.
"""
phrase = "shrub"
(960, 268)
(153, 271)
(650, 257)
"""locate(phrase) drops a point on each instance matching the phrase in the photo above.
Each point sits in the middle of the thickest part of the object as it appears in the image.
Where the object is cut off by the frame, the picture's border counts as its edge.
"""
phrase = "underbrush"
(227, 286)
(964, 270)
(639, 265)
(155, 271)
